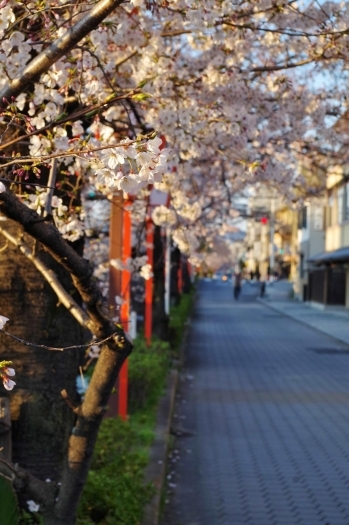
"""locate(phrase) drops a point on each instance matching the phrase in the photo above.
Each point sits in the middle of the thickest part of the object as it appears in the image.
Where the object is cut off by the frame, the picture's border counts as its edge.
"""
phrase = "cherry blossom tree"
(243, 91)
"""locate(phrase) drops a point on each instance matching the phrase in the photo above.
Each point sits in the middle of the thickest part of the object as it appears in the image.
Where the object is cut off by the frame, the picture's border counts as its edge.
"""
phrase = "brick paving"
(263, 418)
(332, 321)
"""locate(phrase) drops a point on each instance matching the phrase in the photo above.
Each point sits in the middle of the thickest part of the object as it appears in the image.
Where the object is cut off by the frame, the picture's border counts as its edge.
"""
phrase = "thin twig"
(70, 118)
(71, 405)
(59, 349)
(70, 153)
(3, 179)
(51, 186)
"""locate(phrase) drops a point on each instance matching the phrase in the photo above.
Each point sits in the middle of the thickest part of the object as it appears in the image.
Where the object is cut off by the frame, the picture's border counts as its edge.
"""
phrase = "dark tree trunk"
(175, 266)
(59, 502)
(185, 276)
(160, 318)
(42, 421)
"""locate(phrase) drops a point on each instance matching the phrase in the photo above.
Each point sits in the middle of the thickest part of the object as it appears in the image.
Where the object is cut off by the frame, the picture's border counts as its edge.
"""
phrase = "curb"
(156, 470)
(287, 314)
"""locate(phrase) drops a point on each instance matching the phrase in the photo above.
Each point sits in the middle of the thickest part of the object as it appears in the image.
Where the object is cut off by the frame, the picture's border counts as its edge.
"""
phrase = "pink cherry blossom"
(8, 383)
(3, 321)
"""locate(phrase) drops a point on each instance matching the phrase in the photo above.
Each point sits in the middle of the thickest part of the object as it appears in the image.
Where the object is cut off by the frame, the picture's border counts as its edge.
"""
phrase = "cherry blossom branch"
(69, 153)
(290, 65)
(25, 183)
(176, 32)
(59, 48)
(51, 185)
(123, 60)
(287, 32)
(74, 116)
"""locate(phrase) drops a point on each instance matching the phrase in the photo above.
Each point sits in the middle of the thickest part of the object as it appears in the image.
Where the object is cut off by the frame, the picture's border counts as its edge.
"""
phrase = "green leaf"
(8, 503)
(110, 97)
(141, 96)
(5, 363)
(92, 113)
(142, 83)
(61, 117)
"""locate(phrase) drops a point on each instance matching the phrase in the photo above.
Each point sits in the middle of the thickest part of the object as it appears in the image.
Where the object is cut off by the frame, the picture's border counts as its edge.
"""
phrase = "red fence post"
(148, 313)
(125, 308)
(115, 252)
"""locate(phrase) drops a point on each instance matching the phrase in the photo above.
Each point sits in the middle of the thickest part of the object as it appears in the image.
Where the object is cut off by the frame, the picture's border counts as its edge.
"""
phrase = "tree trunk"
(185, 275)
(175, 266)
(160, 318)
(59, 502)
(41, 419)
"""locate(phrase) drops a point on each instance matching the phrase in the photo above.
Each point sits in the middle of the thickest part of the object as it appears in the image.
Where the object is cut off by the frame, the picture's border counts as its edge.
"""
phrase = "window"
(318, 218)
(302, 218)
(301, 266)
(346, 201)
(340, 207)
(330, 206)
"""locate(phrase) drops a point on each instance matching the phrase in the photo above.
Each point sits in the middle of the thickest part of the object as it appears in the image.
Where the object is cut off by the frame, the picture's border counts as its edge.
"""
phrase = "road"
(262, 419)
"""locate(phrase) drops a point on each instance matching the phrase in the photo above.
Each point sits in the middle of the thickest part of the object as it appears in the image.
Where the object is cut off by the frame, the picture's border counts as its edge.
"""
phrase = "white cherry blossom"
(32, 506)
(146, 272)
(232, 113)
(8, 383)
(3, 321)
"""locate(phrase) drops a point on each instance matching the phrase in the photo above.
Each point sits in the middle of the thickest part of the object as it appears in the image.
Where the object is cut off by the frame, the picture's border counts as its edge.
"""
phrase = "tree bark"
(41, 419)
(175, 265)
(59, 48)
(160, 318)
(62, 508)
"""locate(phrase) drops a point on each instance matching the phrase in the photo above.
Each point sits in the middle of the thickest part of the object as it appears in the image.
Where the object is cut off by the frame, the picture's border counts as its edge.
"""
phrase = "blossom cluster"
(211, 76)
(69, 223)
(139, 264)
(130, 167)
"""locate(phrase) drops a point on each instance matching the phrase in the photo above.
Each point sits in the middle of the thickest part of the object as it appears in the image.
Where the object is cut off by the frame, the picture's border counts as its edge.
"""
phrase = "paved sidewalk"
(261, 419)
(332, 322)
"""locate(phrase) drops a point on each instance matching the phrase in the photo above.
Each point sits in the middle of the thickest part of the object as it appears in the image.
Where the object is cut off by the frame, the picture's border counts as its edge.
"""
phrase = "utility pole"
(167, 271)
(272, 231)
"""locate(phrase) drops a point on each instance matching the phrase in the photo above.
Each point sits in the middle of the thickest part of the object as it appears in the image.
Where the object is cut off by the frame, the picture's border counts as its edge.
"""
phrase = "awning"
(336, 256)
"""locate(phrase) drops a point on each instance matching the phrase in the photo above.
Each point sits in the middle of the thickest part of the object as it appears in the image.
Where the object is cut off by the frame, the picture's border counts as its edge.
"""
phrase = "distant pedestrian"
(262, 288)
(237, 285)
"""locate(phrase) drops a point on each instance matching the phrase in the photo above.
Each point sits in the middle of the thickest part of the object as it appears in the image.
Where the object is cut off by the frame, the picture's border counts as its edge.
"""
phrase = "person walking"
(262, 290)
(237, 285)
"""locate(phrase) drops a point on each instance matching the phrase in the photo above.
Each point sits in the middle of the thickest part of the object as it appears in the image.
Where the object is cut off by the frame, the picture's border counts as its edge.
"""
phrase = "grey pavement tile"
(270, 416)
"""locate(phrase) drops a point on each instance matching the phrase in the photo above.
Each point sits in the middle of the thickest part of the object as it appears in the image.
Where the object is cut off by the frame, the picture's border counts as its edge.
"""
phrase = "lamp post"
(272, 232)
(167, 271)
